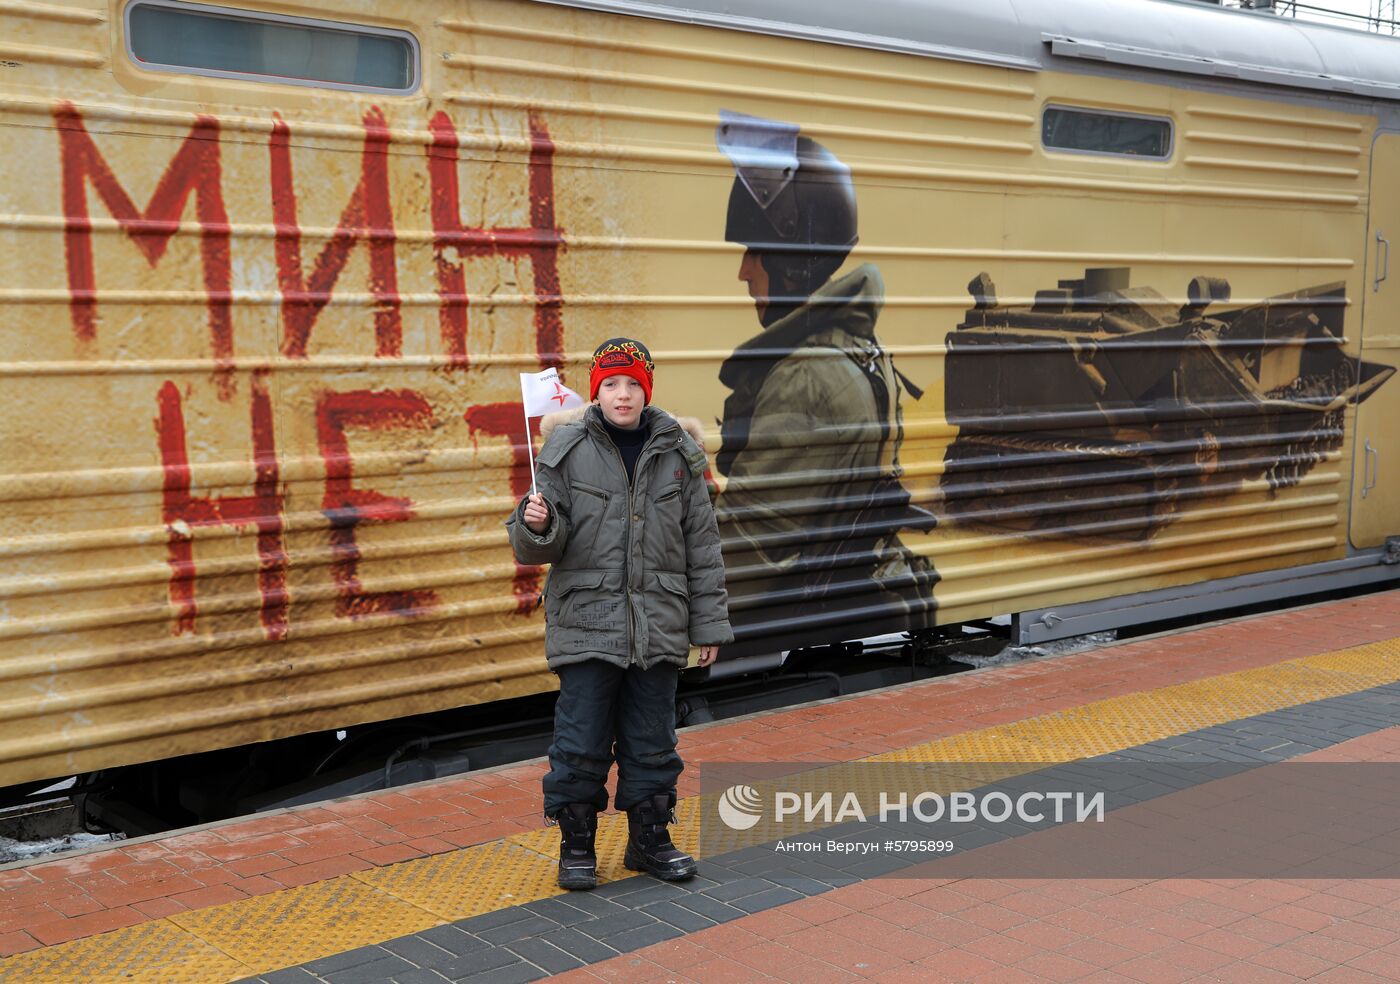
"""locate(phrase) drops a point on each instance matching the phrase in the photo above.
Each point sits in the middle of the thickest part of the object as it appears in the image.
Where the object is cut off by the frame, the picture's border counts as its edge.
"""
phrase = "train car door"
(1375, 487)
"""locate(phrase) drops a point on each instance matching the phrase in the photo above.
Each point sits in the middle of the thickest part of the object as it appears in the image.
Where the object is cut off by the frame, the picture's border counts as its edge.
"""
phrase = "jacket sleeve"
(547, 547)
(704, 569)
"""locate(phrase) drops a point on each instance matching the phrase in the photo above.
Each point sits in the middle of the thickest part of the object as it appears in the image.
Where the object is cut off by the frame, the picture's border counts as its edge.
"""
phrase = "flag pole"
(529, 448)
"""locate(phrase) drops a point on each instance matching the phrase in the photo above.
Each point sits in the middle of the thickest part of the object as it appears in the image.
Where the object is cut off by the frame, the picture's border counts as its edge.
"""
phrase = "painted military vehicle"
(1104, 409)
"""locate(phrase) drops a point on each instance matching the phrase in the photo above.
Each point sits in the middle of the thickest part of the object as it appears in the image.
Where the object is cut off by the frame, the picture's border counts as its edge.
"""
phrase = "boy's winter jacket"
(637, 576)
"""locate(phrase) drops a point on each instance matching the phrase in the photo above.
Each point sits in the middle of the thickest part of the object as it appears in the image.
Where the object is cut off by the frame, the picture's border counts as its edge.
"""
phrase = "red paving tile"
(1231, 944)
(1245, 973)
(1379, 963)
(305, 874)
(159, 908)
(205, 897)
(1350, 975)
(953, 931)
(1107, 977)
(958, 964)
(1097, 953)
(388, 854)
(1003, 949)
(12, 943)
(259, 865)
(678, 954)
(61, 930)
(1056, 967)
(1291, 961)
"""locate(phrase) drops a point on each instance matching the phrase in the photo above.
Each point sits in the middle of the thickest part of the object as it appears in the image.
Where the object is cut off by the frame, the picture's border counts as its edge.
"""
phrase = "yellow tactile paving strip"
(277, 930)
(157, 952)
(1133, 719)
(281, 929)
(468, 882)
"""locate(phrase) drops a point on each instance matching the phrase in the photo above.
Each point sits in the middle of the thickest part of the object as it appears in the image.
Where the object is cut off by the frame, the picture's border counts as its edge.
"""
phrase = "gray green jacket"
(637, 577)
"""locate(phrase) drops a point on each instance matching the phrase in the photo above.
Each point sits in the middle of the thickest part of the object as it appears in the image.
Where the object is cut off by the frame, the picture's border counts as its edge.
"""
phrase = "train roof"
(1181, 36)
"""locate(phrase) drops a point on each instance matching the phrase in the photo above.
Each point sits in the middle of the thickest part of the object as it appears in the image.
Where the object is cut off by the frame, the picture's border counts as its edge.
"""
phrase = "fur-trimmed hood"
(691, 425)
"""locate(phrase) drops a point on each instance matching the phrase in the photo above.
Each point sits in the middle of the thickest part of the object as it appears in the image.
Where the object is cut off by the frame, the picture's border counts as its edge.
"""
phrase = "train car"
(1073, 310)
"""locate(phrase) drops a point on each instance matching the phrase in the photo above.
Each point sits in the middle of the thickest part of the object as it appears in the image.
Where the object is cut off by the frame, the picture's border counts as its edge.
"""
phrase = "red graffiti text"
(183, 512)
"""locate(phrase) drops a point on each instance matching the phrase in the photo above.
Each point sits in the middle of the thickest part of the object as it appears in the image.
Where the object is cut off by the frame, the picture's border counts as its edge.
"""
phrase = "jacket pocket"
(586, 612)
(590, 511)
(668, 614)
(665, 529)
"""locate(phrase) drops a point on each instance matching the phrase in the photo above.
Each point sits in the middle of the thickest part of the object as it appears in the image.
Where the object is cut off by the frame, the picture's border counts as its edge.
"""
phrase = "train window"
(1091, 131)
(241, 44)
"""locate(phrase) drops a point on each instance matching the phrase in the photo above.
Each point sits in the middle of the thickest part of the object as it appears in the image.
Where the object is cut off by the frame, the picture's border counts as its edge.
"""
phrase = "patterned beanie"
(621, 357)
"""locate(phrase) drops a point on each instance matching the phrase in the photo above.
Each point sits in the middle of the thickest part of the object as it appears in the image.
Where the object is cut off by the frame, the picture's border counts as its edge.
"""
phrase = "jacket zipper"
(627, 561)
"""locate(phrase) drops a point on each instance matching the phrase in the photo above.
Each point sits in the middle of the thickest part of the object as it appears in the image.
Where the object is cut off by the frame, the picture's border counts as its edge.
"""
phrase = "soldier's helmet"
(793, 200)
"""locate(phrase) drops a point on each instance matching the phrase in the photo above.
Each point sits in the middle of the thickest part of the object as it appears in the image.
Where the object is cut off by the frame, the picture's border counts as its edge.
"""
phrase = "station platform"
(453, 880)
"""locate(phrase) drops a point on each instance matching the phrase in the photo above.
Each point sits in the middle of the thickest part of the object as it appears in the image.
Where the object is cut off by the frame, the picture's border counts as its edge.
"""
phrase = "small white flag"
(542, 393)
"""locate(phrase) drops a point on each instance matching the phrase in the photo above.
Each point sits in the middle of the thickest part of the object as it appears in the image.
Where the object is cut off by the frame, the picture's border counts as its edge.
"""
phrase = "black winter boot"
(649, 846)
(578, 862)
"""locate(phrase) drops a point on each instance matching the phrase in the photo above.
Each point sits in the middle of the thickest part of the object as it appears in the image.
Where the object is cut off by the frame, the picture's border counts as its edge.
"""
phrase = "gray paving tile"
(738, 888)
(876, 865)
(592, 903)
(763, 866)
(558, 910)
(734, 860)
(830, 877)
(767, 900)
(453, 939)
(532, 925)
(805, 880)
(698, 884)
(710, 869)
(585, 948)
(418, 951)
(635, 939)
(374, 972)
(1263, 742)
(292, 975)
(490, 920)
(623, 886)
(711, 908)
(545, 955)
(419, 976)
(657, 891)
(517, 973)
(344, 961)
(480, 962)
(605, 926)
(679, 916)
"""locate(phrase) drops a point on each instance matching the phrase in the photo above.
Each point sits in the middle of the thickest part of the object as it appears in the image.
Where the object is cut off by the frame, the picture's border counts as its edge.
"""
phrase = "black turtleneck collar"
(629, 442)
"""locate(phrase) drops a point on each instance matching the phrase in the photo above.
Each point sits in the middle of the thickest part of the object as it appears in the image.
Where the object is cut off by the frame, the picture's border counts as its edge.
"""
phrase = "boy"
(623, 515)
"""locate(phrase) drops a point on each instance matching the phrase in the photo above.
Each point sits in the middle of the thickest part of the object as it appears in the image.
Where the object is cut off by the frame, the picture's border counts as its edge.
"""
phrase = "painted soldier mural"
(813, 505)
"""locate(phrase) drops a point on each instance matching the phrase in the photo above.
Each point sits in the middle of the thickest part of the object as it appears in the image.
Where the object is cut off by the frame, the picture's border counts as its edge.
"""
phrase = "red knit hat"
(621, 357)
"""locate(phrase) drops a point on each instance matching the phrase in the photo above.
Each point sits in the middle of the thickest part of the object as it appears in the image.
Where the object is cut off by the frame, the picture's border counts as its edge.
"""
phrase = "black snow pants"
(604, 713)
